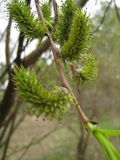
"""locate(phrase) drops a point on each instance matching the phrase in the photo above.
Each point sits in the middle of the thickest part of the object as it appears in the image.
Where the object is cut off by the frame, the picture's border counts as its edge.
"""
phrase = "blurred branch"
(7, 44)
(117, 10)
(34, 55)
(103, 18)
(9, 95)
(3, 34)
(71, 129)
(6, 126)
(31, 58)
(34, 141)
(82, 144)
(10, 132)
(81, 3)
(55, 8)
(6, 70)
(13, 49)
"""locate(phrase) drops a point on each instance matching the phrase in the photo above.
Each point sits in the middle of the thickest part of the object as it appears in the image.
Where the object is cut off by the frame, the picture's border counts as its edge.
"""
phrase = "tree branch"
(9, 96)
(33, 142)
(103, 18)
(117, 10)
(56, 53)
(34, 55)
(7, 44)
(81, 3)
(55, 8)
(10, 132)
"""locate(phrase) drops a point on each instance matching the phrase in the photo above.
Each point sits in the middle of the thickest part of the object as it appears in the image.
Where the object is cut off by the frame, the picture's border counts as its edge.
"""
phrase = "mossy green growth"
(25, 19)
(65, 16)
(87, 70)
(102, 138)
(52, 103)
(79, 39)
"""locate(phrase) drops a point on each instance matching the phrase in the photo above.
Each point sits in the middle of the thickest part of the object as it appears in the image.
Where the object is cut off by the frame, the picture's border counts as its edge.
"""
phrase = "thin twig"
(34, 141)
(117, 10)
(7, 44)
(55, 8)
(6, 70)
(103, 18)
(3, 34)
(10, 132)
(56, 53)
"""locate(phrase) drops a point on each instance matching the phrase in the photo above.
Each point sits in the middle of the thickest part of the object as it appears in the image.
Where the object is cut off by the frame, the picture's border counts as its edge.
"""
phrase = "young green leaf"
(110, 132)
(103, 140)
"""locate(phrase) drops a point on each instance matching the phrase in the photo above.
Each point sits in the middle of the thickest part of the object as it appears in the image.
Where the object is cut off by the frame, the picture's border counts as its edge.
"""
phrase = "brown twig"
(56, 53)
(55, 8)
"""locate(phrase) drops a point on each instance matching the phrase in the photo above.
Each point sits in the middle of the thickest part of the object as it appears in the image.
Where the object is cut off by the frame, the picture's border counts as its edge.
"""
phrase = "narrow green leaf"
(110, 132)
(102, 138)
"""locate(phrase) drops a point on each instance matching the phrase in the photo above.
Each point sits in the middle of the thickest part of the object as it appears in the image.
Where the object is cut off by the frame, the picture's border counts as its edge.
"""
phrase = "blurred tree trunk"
(82, 144)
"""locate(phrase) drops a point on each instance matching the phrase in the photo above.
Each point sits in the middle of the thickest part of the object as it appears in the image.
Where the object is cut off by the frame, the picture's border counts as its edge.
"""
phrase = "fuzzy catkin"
(42, 101)
(79, 39)
(25, 19)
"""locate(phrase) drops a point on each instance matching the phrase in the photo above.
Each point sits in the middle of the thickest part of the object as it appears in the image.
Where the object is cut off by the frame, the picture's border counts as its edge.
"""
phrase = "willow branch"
(34, 55)
(56, 53)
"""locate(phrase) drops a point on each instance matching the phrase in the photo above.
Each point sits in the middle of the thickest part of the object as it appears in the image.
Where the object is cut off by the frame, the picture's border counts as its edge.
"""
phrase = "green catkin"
(87, 72)
(46, 10)
(50, 103)
(25, 19)
(79, 39)
(65, 17)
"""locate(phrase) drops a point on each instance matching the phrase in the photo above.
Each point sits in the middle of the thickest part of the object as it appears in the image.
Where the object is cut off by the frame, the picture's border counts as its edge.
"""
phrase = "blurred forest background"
(23, 137)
